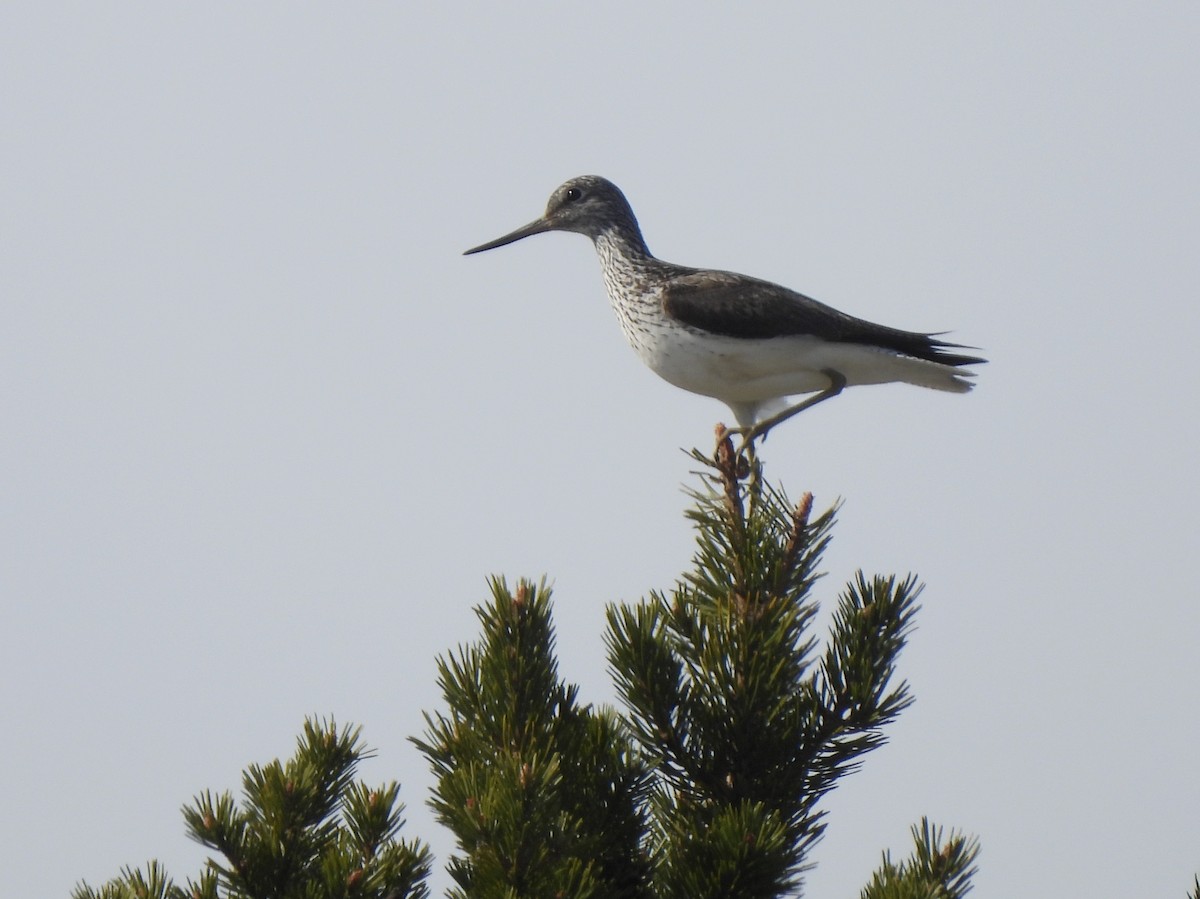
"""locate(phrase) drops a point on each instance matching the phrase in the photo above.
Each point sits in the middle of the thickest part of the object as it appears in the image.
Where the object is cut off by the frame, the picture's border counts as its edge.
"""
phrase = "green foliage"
(543, 794)
(304, 829)
(737, 719)
(153, 883)
(938, 868)
(745, 723)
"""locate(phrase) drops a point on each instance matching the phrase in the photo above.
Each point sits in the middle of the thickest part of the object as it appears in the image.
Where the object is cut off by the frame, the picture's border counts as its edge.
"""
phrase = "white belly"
(741, 371)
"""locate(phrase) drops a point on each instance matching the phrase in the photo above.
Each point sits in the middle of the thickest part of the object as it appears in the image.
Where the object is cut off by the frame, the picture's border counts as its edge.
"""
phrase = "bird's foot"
(742, 462)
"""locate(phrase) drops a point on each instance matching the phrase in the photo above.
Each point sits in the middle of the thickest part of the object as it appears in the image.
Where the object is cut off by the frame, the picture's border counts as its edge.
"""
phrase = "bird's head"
(587, 205)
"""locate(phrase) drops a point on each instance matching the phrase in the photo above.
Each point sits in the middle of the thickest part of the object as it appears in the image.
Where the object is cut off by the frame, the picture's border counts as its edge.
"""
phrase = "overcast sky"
(266, 431)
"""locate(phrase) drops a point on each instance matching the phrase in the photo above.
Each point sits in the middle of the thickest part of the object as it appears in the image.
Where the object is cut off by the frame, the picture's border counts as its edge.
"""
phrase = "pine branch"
(937, 869)
(134, 883)
(544, 795)
(742, 721)
(870, 627)
(304, 829)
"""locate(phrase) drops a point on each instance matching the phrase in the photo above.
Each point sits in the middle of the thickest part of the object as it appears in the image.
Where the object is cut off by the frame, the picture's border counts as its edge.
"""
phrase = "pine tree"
(544, 795)
(304, 828)
(744, 722)
(734, 722)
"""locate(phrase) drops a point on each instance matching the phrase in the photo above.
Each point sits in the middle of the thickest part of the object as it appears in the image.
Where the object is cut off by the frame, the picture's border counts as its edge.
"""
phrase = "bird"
(749, 343)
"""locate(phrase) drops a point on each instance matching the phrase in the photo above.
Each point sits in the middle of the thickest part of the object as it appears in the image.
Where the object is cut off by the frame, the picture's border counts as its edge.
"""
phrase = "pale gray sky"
(267, 432)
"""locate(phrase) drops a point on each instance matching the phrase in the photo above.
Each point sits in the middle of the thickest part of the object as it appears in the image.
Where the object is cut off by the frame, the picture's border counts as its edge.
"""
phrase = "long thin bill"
(536, 227)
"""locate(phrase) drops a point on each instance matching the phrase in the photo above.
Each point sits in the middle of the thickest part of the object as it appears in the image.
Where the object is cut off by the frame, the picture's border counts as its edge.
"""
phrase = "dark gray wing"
(740, 306)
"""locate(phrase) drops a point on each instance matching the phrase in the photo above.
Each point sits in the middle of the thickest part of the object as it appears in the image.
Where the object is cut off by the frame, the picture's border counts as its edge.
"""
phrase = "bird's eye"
(572, 194)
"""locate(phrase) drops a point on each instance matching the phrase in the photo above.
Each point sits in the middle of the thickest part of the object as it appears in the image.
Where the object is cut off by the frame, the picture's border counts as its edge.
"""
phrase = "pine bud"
(803, 510)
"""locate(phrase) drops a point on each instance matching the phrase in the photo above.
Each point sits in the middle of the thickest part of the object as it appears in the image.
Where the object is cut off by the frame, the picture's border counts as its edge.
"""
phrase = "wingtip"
(940, 348)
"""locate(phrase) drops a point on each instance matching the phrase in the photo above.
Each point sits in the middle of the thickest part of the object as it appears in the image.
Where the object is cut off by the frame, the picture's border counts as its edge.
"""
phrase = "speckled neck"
(628, 276)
